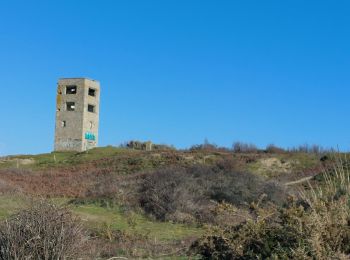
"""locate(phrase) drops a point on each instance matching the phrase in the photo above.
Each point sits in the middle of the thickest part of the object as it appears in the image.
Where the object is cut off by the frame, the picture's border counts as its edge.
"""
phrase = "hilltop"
(140, 203)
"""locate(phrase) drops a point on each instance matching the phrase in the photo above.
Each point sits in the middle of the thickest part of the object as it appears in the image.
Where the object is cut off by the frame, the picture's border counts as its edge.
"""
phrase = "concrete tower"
(77, 114)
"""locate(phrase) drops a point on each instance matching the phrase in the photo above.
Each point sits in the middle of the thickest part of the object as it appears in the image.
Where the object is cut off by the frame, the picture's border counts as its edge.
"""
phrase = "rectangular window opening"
(92, 92)
(91, 108)
(70, 106)
(64, 123)
(71, 90)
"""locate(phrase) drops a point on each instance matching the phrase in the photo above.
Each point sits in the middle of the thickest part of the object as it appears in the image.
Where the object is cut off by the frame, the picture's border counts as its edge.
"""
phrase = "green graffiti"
(90, 136)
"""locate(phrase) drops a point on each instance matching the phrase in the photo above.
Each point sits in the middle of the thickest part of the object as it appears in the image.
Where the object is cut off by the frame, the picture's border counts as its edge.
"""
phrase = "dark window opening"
(71, 90)
(91, 108)
(92, 92)
(70, 106)
(64, 123)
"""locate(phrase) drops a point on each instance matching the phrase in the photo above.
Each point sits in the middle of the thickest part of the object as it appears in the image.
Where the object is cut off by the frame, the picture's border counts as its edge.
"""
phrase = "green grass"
(289, 163)
(59, 159)
(303, 161)
(73, 158)
(39, 161)
(11, 204)
(97, 217)
(132, 222)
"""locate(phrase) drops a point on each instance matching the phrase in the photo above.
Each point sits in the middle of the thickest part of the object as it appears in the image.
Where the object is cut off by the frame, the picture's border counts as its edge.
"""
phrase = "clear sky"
(180, 71)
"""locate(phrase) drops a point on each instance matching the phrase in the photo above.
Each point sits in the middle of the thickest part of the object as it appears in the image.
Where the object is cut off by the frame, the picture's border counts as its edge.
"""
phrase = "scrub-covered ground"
(154, 204)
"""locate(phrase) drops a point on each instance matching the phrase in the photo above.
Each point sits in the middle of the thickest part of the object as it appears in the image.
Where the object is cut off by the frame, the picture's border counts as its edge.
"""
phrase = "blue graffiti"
(90, 136)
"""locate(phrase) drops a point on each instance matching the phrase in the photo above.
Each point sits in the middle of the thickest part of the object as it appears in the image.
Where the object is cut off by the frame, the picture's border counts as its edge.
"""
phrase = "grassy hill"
(152, 203)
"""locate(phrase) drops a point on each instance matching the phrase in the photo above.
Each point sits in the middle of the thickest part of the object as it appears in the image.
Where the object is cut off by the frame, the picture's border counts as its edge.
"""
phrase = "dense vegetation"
(314, 226)
(207, 202)
(189, 194)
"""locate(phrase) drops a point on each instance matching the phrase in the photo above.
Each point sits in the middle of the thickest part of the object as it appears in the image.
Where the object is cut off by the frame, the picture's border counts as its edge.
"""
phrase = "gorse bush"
(44, 231)
(314, 226)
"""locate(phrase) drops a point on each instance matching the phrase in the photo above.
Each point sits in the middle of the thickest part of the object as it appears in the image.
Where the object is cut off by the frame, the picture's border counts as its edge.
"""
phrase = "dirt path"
(305, 179)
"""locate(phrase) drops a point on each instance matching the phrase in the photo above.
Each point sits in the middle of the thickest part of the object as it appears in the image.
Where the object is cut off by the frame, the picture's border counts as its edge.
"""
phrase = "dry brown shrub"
(188, 194)
(43, 231)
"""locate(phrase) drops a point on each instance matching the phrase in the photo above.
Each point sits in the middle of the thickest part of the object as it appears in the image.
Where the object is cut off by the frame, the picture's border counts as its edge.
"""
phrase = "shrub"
(311, 149)
(43, 231)
(315, 226)
(188, 194)
(208, 147)
(163, 193)
(271, 148)
(240, 147)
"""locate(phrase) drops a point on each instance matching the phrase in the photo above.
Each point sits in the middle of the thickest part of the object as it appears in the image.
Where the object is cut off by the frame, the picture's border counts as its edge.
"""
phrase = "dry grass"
(329, 212)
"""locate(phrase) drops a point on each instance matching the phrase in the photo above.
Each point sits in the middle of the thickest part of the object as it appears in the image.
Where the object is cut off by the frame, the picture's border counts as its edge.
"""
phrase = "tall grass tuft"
(328, 218)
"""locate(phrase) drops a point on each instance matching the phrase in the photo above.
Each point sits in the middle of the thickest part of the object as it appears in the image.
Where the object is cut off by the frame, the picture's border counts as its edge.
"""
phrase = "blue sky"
(177, 72)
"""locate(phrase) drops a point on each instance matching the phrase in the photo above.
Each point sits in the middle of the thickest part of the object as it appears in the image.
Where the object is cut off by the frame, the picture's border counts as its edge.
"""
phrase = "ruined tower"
(77, 114)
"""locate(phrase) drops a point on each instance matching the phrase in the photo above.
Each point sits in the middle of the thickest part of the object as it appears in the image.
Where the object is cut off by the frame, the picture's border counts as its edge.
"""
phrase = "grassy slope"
(95, 216)
(59, 159)
(125, 161)
(99, 218)
(286, 163)
(10, 204)
(133, 222)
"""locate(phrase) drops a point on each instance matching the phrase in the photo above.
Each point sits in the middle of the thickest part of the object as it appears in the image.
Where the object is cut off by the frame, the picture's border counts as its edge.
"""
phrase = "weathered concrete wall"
(91, 119)
(77, 130)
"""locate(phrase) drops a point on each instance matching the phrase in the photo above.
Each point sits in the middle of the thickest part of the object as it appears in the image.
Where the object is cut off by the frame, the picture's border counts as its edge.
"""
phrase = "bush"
(189, 194)
(43, 231)
(208, 147)
(167, 191)
(240, 147)
(271, 148)
(311, 149)
(315, 226)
